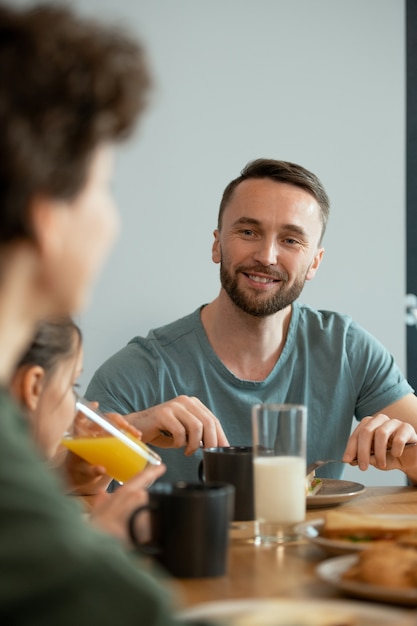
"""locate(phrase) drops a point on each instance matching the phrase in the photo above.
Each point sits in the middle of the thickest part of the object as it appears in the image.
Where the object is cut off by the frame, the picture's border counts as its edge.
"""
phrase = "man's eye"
(292, 242)
(247, 232)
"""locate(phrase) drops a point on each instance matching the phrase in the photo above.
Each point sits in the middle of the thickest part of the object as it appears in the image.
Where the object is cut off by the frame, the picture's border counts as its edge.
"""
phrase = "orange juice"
(120, 461)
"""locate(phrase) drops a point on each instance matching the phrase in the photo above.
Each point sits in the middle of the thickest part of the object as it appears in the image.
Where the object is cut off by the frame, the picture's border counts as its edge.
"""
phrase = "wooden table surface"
(286, 571)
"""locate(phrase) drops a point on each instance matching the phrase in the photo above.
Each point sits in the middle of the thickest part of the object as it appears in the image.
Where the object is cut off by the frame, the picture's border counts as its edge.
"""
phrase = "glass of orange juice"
(100, 442)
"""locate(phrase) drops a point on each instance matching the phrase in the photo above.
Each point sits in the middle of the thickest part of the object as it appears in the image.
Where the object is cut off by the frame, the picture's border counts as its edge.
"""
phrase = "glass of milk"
(279, 465)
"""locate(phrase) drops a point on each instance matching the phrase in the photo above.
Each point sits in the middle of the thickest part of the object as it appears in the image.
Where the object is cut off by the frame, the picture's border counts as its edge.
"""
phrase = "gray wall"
(320, 83)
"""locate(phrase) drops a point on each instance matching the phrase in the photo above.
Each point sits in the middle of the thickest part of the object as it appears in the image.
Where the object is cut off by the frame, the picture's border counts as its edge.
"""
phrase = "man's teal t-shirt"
(329, 363)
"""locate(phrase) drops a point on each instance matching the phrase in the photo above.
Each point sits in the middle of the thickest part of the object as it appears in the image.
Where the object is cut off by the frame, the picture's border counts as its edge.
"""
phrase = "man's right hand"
(183, 422)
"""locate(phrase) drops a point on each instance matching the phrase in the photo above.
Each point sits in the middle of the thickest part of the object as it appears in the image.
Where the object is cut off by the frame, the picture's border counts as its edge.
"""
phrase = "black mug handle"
(146, 548)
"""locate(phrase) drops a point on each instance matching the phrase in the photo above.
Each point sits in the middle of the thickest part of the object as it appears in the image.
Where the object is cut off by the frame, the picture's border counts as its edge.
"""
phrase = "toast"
(353, 527)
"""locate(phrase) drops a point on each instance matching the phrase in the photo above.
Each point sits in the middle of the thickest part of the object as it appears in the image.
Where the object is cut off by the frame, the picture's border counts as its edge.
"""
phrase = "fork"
(316, 464)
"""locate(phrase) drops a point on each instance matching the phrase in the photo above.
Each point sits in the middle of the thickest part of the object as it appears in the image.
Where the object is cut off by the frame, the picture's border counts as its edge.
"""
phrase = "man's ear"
(215, 250)
(315, 264)
(28, 384)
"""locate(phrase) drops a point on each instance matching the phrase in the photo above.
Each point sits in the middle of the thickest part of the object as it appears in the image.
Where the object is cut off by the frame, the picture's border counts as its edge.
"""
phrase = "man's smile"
(261, 279)
(263, 276)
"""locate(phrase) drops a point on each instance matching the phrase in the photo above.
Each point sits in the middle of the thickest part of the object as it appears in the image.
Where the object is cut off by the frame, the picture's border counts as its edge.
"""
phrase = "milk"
(279, 484)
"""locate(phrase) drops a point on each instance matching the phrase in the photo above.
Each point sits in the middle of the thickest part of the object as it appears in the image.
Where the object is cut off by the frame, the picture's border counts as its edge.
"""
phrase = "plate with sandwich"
(323, 492)
(339, 532)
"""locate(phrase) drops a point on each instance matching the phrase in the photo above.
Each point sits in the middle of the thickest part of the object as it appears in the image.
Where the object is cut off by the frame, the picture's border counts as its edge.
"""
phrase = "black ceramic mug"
(232, 464)
(189, 527)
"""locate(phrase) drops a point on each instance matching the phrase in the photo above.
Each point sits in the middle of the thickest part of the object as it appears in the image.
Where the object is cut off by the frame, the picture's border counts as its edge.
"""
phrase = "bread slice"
(341, 525)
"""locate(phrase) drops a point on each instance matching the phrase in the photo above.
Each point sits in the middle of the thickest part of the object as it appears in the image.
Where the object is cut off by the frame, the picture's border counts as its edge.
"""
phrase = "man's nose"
(267, 252)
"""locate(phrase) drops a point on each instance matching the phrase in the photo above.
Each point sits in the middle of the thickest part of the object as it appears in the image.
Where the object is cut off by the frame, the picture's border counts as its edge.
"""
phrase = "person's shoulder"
(323, 317)
(336, 327)
(172, 331)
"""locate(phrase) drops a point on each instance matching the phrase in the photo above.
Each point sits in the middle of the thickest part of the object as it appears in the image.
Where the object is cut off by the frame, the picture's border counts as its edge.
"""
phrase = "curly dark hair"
(281, 172)
(67, 85)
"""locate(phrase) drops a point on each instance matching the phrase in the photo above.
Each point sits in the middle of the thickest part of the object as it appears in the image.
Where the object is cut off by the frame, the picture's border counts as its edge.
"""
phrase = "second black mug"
(234, 465)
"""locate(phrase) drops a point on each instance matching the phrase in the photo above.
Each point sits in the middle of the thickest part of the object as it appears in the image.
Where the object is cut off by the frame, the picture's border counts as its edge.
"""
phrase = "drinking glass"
(100, 441)
(279, 463)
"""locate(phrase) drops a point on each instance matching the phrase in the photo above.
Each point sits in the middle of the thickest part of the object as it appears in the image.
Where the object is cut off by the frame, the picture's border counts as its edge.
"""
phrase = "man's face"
(268, 245)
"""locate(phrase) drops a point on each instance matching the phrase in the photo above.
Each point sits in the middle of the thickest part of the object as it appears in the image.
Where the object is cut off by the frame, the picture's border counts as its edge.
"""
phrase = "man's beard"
(260, 306)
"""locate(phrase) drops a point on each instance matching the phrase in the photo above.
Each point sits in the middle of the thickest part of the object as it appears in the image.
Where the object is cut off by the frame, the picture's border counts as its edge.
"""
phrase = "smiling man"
(256, 343)
(266, 239)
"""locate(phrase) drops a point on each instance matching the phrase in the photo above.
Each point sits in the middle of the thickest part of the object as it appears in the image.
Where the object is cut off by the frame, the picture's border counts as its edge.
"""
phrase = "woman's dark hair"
(281, 172)
(67, 85)
(55, 340)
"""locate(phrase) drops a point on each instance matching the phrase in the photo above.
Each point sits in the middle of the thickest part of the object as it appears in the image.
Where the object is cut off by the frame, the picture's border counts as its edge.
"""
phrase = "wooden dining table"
(286, 571)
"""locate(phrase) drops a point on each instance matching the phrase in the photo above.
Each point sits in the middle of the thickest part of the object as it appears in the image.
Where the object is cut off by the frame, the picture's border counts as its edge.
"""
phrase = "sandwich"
(353, 527)
(313, 484)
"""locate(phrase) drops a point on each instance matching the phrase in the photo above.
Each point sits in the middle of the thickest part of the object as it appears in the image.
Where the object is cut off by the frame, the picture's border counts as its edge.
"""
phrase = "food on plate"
(408, 539)
(313, 484)
(387, 565)
(351, 527)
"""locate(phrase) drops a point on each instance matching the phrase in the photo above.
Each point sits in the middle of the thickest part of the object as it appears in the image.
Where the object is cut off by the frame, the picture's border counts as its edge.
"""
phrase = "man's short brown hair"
(281, 172)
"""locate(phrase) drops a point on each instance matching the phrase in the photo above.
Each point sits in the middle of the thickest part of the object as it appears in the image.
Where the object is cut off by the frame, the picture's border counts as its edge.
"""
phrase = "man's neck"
(248, 346)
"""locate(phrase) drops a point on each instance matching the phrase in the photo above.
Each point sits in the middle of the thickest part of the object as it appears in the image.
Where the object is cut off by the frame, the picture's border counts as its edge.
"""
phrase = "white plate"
(331, 571)
(312, 530)
(335, 492)
(297, 612)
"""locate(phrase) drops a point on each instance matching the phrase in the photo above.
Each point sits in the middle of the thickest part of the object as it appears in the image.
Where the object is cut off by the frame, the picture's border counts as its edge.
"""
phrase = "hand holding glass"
(100, 442)
(279, 458)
